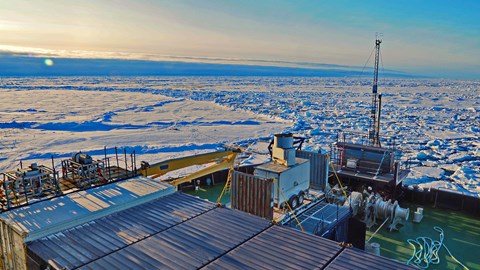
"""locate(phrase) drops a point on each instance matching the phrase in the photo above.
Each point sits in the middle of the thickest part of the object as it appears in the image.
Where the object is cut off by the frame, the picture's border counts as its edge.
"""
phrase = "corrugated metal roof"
(279, 248)
(77, 246)
(189, 245)
(360, 260)
(51, 216)
(182, 232)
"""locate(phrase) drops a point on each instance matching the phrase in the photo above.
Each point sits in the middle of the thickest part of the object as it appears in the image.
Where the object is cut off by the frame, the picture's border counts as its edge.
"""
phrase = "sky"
(431, 38)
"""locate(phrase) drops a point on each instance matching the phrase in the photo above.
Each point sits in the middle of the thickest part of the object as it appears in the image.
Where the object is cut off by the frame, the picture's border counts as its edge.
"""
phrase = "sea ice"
(435, 122)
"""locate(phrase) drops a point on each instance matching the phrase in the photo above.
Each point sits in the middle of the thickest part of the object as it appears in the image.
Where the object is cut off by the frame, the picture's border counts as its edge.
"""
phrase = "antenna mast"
(373, 133)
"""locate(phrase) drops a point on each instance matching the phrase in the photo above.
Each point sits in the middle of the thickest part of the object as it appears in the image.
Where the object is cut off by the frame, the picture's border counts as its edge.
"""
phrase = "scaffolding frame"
(39, 182)
(26, 185)
(84, 175)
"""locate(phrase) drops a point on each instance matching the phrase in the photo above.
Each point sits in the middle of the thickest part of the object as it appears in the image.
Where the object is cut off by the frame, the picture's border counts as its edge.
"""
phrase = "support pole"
(126, 164)
(109, 169)
(134, 162)
(116, 155)
(377, 129)
(5, 189)
(131, 161)
(25, 190)
(55, 179)
(373, 132)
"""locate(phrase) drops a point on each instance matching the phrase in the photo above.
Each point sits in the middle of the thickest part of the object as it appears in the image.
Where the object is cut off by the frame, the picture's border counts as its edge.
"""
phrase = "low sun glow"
(48, 62)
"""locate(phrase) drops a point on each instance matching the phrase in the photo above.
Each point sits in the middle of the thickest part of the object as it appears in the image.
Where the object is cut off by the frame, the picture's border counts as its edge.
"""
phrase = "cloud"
(24, 64)
(83, 54)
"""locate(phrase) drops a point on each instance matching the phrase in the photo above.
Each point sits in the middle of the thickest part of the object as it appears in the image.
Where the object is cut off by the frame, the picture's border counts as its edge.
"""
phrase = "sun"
(48, 62)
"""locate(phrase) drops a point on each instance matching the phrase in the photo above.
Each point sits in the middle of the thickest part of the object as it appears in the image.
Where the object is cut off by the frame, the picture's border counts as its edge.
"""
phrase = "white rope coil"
(428, 250)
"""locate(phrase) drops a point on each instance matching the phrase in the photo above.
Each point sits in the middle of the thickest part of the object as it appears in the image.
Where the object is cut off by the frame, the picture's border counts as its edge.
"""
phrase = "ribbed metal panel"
(189, 245)
(279, 248)
(318, 168)
(360, 260)
(252, 194)
(51, 216)
(83, 244)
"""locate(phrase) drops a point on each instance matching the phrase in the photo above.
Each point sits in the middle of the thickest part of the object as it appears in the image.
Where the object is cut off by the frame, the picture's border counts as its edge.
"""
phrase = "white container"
(289, 180)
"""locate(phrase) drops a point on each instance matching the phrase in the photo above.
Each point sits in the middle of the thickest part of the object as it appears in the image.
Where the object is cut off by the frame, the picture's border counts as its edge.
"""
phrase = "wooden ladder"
(228, 184)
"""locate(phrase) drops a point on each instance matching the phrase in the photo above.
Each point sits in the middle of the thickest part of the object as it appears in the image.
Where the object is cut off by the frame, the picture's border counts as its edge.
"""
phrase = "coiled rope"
(428, 251)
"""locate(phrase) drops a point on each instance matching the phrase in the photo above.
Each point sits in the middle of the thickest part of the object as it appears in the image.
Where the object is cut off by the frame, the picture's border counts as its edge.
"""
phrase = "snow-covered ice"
(435, 122)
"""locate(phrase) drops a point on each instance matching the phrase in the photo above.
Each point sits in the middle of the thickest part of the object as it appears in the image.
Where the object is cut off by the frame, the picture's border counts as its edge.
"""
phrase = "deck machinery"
(27, 184)
(362, 158)
(379, 167)
(37, 182)
(83, 171)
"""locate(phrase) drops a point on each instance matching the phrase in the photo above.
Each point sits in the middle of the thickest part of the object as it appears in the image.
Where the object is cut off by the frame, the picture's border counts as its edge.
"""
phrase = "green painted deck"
(462, 233)
(462, 237)
(211, 193)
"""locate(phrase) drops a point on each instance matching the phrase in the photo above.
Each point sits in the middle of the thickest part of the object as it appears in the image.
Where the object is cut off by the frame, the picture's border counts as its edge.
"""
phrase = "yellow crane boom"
(222, 159)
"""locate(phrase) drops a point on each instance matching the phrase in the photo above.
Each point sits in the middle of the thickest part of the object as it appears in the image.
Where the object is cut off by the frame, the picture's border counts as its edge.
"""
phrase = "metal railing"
(363, 139)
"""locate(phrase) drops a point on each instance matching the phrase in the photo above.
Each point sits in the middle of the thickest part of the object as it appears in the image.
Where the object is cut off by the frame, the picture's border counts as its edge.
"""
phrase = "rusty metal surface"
(252, 194)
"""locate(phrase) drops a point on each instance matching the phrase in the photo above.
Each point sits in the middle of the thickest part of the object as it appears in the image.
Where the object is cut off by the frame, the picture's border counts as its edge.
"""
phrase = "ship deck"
(462, 233)
(462, 237)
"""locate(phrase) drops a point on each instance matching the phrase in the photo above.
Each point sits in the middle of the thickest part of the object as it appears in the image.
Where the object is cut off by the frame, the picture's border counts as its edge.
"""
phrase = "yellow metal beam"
(224, 164)
(222, 160)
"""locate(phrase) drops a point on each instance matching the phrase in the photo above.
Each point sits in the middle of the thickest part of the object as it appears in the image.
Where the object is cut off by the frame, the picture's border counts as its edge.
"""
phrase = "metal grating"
(322, 219)
(74, 247)
(360, 260)
(279, 248)
(189, 245)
